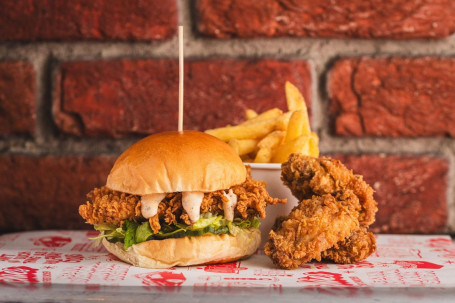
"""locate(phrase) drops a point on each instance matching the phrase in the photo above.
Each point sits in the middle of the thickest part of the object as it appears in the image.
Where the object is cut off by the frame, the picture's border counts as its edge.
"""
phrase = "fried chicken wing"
(312, 227)
(313, 180)
(307, 176)
(357, 247)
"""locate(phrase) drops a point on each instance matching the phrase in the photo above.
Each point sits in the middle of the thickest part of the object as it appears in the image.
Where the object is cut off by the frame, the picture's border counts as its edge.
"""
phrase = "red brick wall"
(82, 80)
(326, 18)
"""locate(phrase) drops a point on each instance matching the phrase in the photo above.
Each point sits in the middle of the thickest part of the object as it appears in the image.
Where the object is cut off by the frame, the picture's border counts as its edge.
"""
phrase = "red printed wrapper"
(69, 258)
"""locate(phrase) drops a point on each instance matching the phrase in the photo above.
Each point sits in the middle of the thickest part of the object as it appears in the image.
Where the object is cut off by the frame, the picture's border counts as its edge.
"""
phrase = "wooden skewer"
(180, 127)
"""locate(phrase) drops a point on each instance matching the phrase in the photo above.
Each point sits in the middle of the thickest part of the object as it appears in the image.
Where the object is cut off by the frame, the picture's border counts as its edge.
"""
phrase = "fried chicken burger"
(177, 199)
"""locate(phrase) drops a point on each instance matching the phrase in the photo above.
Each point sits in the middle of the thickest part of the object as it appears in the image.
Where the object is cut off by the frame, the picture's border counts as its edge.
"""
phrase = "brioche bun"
(206, 249)
(175, 162)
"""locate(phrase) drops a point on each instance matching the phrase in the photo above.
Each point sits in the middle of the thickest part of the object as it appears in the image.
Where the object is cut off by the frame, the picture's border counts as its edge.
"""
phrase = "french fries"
(294, 98)
(282, 121)
(300, 144)
(268, 145)
(295, 126)
(270, 114)
(272, 136)
(249, 131)
(250, 114)
(314, 145)
(243, 147)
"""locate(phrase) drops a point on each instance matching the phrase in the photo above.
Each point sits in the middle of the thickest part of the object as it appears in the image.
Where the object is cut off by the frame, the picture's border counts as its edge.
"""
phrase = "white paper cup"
(271, 174)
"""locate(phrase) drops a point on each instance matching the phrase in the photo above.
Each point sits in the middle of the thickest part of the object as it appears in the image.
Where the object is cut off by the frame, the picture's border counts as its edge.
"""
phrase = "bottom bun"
(206, 249)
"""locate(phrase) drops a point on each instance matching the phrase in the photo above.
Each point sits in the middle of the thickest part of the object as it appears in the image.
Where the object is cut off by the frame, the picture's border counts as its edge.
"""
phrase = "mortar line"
(206, 47)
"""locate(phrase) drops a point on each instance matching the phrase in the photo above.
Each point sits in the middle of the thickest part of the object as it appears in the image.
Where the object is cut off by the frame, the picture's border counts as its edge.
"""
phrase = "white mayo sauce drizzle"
(191, 201)
(229, 206)
(150, 203)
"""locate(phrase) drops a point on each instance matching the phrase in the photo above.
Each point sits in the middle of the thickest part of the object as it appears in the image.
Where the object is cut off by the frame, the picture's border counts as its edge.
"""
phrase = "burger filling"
(133, 219)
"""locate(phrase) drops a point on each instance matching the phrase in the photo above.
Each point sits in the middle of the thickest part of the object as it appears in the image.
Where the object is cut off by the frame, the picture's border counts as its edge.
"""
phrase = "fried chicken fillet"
(106, 206)
(312, 227)
(313, 179)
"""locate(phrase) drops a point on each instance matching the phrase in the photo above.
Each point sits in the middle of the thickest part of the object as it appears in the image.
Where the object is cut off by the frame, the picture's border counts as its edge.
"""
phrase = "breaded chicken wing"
(308, 176)
(314, 178)
(312, 227)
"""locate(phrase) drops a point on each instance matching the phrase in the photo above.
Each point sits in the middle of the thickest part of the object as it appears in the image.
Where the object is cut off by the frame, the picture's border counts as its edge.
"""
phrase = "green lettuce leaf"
(131, 233)
(205, 220)
(143, 232)
(110, 232)
(130, 228)
(247, 223)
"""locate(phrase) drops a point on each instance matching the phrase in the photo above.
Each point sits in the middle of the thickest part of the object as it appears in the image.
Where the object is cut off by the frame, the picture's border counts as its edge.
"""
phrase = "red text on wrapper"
(162, 278)
(51, 241)
(45, 257)
(226, 268)
(323, 278)
(18, 274)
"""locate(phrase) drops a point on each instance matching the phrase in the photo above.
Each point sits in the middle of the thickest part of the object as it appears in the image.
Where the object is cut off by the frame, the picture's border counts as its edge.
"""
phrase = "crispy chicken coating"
(358, 246)
(108, 206)
(312, 227)
(111, 207)
(313, 179)
(307, 176)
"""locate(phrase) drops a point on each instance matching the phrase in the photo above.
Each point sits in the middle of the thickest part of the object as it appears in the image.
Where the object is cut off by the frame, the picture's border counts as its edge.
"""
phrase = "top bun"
(175, 162)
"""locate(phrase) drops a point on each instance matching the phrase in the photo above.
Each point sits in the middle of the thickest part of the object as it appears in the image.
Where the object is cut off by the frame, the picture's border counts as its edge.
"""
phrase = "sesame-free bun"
(206, 249)
(175, 162)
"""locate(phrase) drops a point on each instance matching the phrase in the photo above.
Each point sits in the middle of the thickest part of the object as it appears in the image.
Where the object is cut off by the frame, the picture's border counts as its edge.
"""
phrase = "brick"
(123, 97)
(17, 98)
(337, 19)
(44, 192)
(396, 97)
(410, 190)
(35, 20)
